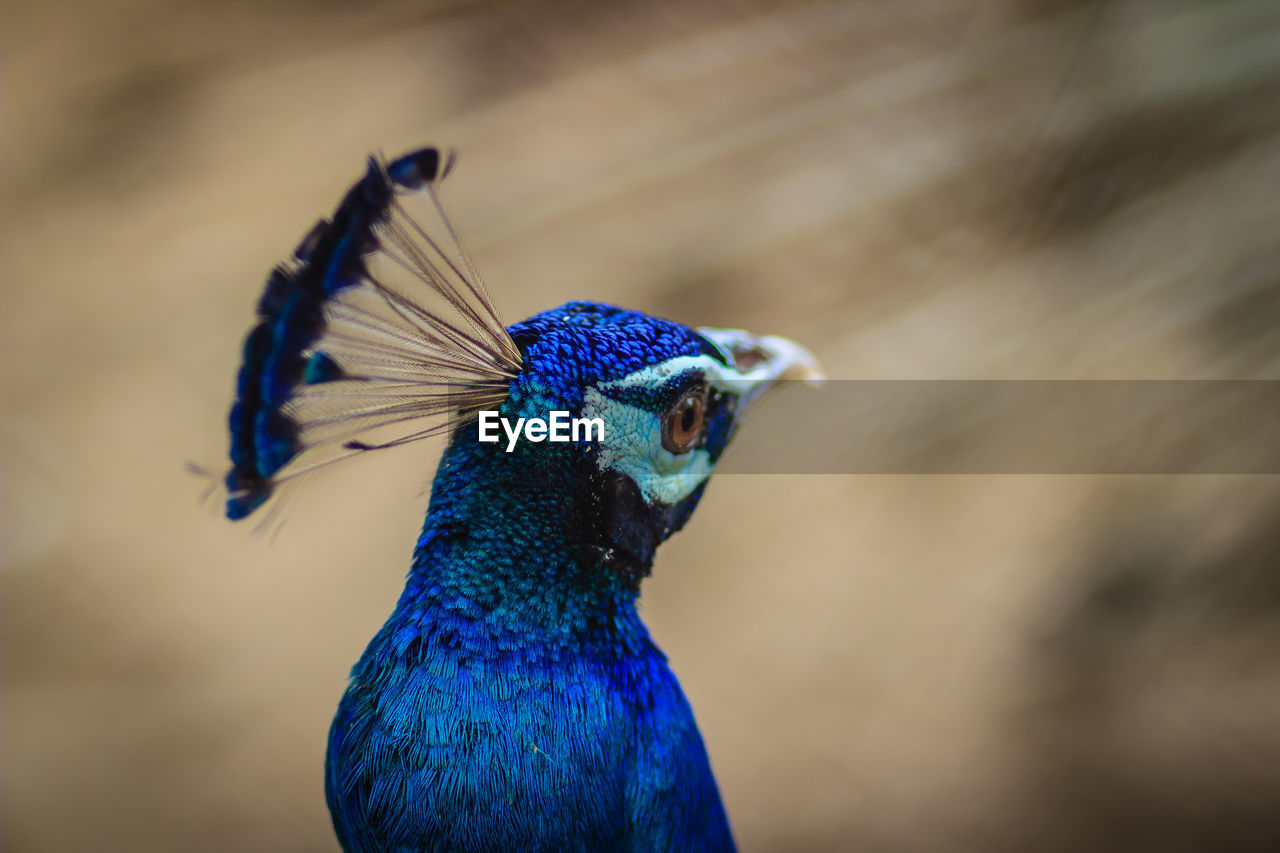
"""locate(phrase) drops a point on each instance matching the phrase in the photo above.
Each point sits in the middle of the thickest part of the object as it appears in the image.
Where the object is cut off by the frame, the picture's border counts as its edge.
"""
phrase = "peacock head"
(642, 407)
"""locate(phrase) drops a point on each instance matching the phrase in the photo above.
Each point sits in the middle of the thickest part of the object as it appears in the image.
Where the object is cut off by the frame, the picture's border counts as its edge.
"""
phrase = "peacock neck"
(512, 552)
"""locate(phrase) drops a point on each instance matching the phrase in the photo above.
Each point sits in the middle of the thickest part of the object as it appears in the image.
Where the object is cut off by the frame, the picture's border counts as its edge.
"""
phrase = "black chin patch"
(629, 521)
(627, 530)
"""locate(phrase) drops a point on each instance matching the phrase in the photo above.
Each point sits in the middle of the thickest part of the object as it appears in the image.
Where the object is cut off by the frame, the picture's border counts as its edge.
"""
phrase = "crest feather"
(344, 347)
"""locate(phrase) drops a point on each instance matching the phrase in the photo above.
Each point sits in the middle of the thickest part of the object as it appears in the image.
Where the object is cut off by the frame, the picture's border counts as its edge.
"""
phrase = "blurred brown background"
(984, 189)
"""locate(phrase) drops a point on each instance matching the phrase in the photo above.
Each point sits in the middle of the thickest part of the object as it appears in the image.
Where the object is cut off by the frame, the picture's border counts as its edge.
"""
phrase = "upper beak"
(762, 362)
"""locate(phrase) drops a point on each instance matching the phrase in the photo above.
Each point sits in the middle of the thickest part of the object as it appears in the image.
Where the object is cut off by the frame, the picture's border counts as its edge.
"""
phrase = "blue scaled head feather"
(513, 700)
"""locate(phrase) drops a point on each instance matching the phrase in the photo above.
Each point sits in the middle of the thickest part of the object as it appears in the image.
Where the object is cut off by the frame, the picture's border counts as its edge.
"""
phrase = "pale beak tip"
(797, 362)
(810, 374)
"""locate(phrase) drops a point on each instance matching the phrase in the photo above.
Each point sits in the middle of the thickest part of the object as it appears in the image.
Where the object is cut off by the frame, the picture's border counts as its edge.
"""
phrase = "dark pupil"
(687, 416)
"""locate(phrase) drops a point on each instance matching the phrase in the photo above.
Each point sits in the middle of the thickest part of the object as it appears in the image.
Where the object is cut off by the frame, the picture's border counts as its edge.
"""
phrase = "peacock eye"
(682, 423)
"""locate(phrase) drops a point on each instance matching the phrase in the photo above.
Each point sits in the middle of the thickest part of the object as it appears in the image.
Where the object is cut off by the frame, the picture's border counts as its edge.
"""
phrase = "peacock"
(514, 700)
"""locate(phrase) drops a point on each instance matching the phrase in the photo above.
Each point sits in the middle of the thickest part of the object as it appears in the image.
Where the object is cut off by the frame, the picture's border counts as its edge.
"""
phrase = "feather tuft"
(345, 344)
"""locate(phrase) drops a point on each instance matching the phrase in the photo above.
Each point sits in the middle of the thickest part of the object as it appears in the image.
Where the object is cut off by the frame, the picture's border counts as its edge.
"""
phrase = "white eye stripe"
(717, 375)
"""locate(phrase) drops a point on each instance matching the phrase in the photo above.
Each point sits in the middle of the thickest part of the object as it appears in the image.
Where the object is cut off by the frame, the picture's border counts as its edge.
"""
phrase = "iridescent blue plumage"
(513, 700)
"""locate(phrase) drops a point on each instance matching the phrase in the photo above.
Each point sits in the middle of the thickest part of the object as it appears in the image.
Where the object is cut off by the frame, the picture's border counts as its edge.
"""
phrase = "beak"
(762, 362)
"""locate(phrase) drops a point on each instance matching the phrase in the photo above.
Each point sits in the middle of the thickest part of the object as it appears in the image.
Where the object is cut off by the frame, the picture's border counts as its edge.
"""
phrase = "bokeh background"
(987, 189)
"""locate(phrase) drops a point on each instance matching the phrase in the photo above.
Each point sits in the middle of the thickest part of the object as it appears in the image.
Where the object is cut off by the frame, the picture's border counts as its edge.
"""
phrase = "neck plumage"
(519, 548)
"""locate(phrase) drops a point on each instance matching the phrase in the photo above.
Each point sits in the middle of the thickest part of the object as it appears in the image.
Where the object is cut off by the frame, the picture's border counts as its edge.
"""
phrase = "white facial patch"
(633, 437)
